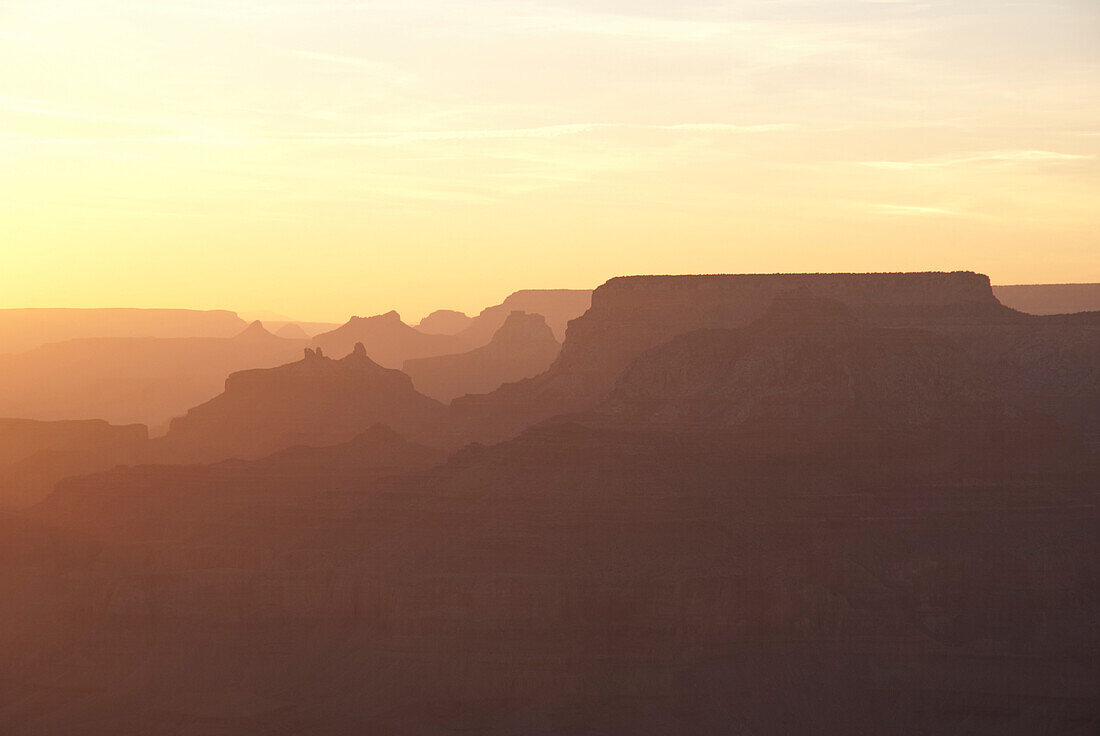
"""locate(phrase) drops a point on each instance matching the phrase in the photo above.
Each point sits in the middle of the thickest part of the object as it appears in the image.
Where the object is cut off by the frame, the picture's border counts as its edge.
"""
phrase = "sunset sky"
(321, 159)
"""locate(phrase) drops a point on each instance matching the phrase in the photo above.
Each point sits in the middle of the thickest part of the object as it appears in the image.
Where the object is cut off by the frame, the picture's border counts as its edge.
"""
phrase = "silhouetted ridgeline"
(792, 504)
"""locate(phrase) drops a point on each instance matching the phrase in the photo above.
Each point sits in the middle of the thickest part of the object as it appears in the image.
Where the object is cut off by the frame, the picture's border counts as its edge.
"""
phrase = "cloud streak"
(1004, 157)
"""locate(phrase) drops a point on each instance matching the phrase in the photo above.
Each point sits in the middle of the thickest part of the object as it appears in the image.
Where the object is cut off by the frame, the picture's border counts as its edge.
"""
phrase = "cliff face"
(630, 315)
(523, 347)
(388, 341)
(806, 362)
(316, 401)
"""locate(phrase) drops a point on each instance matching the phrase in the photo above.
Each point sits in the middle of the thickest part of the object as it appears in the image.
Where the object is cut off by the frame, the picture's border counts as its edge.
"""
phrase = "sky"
(320, 159)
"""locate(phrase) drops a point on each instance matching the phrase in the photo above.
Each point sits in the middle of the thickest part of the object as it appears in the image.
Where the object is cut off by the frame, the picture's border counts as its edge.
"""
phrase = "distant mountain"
(315, 401)
(1050, 298)
(557, 306)
(311, 329)
(444, 322)
(292, 331)
(35, 455)
(523, 347)
(26, 329)
(388, 341)
(144, 380)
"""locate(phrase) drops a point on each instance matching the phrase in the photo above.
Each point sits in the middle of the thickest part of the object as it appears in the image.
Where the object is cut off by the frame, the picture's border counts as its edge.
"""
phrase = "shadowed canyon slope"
(315, 401)
(523, 347)
(683, 557)
(131, 380)
(35, 455)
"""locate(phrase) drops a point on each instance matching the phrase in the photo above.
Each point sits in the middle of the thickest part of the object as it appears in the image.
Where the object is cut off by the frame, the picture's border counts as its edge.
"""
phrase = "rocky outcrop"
(388, 341)
(35, 455)
(26, 329)
(315, 401)
(444, 322)
(523, 347)
(144, 380)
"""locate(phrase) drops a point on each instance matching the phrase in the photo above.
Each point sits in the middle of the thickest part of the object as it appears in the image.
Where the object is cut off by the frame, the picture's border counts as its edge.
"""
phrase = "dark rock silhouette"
(672, 561)
(793, 505)
(444, 322)
(523, 347)
(26, 329)
(35, 455)
(315, 401)
(388, 341)
(131, 380)
(1050, 298)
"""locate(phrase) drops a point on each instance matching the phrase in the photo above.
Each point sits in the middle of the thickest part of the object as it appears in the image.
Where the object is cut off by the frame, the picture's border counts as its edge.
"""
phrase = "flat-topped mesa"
(630, 314)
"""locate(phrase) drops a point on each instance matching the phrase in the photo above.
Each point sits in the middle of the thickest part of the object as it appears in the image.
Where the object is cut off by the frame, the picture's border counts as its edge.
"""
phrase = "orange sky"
(320, 159)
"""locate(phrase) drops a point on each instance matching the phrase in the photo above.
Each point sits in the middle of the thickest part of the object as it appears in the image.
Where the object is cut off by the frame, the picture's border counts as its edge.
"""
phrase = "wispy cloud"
(1015, 157)
(908, 209)
(41, 107)
(379, 70)
(545, 131)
